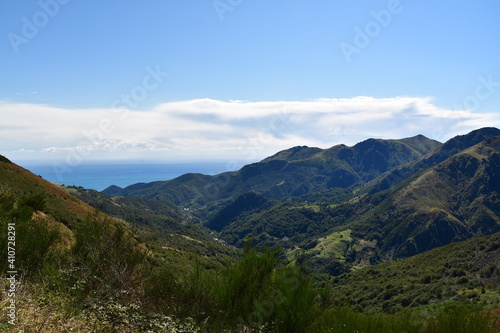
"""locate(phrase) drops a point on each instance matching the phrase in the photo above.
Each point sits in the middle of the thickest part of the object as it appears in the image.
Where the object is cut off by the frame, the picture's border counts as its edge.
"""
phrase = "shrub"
(106, 257)
(458, 272)
(35, 201)
(244, 282)
(34, 239)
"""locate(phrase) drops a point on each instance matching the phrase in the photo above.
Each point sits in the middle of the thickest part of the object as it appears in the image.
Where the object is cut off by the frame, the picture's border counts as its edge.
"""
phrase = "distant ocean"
(100, 176)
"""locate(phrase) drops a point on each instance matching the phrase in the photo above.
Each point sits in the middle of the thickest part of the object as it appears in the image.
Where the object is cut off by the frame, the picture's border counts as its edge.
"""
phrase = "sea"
(99, 176)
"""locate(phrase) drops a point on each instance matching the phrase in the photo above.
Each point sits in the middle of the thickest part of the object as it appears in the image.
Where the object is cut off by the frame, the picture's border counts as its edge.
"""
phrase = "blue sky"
(239, 79)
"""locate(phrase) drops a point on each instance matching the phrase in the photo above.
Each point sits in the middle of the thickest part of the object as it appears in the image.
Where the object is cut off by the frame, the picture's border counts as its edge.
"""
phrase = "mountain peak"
(113, 190)
(418, 137)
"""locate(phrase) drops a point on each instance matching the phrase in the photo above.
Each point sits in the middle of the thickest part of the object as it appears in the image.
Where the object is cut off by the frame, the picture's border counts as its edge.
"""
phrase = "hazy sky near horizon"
(238, 79)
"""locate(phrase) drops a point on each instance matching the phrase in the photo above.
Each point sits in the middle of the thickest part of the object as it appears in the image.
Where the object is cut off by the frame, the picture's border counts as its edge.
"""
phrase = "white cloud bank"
(212, 129)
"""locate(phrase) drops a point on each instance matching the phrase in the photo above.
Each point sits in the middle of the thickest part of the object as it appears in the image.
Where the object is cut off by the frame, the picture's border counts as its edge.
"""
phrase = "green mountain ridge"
(290, 173)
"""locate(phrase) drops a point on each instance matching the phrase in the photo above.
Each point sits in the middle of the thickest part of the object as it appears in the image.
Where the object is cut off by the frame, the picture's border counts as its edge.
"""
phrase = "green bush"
(299, 307)
(245, 282)
(256, 293)
(106, 258)
(34, 240)
(34, 201)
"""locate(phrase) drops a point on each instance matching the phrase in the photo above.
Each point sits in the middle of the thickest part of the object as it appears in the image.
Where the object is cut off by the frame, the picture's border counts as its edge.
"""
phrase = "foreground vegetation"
(97, 277)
